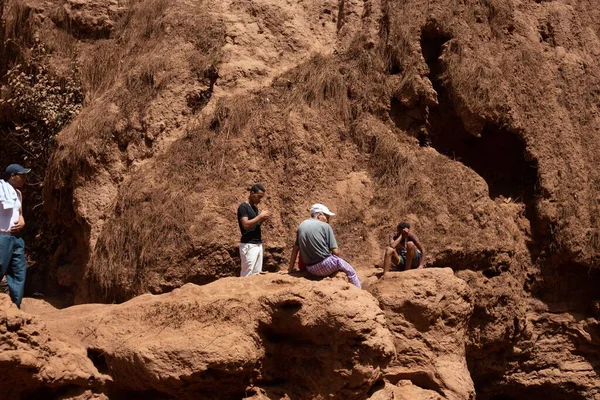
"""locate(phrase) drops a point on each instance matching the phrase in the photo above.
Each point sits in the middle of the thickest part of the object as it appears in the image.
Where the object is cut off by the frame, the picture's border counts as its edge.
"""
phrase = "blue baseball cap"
(16, 169)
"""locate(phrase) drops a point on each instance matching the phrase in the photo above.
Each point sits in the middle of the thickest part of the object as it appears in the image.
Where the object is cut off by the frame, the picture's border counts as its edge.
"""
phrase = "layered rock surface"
(276, 333)
(35, 363)
(273, 336)
(428, 313)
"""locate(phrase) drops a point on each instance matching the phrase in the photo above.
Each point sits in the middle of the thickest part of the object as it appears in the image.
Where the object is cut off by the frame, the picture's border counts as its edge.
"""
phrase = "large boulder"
(277, 333)
(428, 312)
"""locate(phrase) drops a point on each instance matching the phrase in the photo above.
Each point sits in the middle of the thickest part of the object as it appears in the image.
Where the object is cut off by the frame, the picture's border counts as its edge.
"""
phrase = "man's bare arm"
(20, 224)
(249, 223)
(293, 258)
(394, 242)
(420, 247)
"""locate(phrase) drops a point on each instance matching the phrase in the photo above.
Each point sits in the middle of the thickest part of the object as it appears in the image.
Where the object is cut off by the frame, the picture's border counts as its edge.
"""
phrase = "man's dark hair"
(403, 225)
(257, 188)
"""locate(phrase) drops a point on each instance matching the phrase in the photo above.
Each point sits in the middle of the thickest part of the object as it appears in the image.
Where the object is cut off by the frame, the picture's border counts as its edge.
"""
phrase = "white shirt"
(10, 216)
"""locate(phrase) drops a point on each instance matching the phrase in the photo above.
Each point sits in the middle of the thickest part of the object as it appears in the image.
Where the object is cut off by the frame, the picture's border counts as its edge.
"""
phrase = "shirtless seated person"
(405, 251)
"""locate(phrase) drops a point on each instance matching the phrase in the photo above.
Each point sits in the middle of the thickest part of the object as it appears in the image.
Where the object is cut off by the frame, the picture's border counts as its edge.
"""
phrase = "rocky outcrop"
(274, 333)
(403, 390)
(476, 121)
(428, 312)
(268, 336)
(546, 353)
(34, 363)
(565, 351)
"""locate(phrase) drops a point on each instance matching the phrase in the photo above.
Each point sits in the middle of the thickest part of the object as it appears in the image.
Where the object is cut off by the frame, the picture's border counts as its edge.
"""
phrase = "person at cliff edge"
(250, 221)
(318, 248)
(12, 248)
(405, 250)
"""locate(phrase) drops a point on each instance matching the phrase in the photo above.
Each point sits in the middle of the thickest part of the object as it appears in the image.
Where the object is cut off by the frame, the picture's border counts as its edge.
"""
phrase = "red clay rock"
(33, 362)
(404, 390)
(288, 335)
(428, 312)
(145, 181)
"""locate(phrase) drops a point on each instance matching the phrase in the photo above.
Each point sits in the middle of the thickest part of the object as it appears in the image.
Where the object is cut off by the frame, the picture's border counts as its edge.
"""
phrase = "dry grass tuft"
(396, 58)
(121, 76)
(19, 24)
(233, 114)
(390, 162)
(476, 85)
(208, 37)
(17, 34)
(100, 68)
(144, 20)
(361, 57)
(320, 84)
(152, 220)
(60, 43)
(200, 152)
(203, 155)
(125, 58)
(366, 74)
(92, 130)
(143, 79)
(392, 165)
(393, 168)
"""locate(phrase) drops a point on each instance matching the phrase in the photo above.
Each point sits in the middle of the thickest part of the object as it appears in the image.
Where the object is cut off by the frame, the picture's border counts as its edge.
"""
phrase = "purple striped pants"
(332, 264)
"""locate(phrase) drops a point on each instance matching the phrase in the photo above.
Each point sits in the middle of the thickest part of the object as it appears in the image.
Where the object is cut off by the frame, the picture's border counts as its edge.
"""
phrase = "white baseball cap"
(320, 208)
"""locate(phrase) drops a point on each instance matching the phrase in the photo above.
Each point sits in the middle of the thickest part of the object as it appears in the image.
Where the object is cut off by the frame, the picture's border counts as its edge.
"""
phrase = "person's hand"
(17, 226)
(264, 215)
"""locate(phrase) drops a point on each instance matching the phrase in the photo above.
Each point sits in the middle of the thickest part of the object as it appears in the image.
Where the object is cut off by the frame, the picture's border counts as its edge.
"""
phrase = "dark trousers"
(13, 265)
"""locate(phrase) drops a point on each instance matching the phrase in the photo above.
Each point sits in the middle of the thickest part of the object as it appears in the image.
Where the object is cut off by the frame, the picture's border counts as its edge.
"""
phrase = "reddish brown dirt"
(477, 121)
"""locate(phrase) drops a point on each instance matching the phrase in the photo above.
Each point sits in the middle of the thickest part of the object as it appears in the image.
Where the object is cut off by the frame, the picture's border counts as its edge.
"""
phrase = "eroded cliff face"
(476, 121)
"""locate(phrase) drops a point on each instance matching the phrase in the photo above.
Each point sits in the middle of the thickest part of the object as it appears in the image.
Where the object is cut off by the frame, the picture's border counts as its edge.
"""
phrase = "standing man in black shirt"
(250, 220)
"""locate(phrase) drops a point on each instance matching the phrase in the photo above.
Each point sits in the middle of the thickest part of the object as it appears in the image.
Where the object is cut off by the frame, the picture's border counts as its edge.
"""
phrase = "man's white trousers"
(252, 258)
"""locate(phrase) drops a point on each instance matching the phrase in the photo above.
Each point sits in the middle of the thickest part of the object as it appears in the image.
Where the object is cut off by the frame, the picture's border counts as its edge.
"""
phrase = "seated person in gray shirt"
(318, 248)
